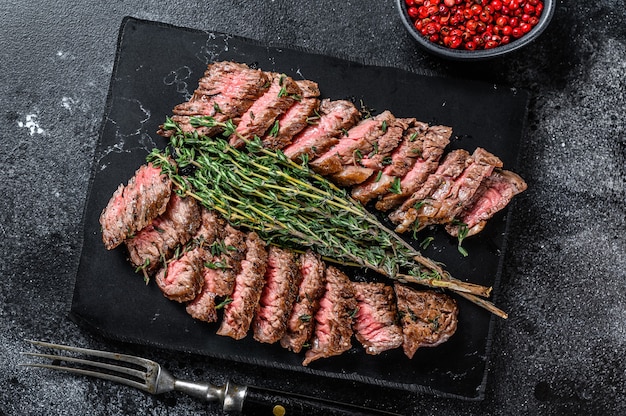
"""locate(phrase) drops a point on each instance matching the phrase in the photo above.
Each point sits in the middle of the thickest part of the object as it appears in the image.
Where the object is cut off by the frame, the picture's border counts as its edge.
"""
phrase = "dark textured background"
(562, 350)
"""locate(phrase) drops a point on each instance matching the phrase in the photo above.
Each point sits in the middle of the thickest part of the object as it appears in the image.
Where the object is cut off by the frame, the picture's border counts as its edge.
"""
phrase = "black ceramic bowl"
(478, 54)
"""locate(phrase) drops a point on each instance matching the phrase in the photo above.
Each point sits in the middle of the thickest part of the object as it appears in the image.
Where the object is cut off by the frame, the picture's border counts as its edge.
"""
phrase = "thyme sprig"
(289, 205)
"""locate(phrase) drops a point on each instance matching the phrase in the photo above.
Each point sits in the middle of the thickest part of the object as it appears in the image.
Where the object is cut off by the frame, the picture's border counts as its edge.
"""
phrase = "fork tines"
(141, 377)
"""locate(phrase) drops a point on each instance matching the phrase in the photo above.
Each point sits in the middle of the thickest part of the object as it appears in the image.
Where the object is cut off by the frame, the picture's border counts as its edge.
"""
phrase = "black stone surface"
(559, 353)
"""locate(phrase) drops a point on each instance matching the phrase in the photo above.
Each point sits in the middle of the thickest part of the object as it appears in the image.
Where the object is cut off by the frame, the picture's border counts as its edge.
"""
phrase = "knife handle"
(262, 402)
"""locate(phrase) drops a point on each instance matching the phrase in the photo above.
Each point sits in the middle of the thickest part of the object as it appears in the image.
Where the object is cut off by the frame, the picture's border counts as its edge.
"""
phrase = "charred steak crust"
(312, 286)
(134, 205)
(375, 323)
(226, 91)
(428, 318)
(156, 242)
(249, 282)
(278, 296)
(333, 320)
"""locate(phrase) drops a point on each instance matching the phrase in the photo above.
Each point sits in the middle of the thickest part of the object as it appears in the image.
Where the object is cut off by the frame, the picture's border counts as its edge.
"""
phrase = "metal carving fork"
(149, 376)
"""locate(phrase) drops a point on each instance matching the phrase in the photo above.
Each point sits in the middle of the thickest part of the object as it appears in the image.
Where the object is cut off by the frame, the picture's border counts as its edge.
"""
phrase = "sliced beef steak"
(180, 279)
(333, 320)
(450, 197)
(311, 289)
(281, 287)
(433, 142)
(452, 166)
(156, 242)
(351, 175)
(225, 92)
(281, 94)
(211, 227)
(324, 130)
(493, 194)
(134, 205)
(353, 146)
(428, 318)
(295, 119)
(221, 263)
(380, 156)
(249, 282)
(375, 323)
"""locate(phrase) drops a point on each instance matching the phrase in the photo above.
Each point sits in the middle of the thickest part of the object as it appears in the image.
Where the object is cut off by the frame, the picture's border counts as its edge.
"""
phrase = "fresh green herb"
(413, 137)
(379, 175)
(396, 187)
(384, 126)
(386, 161)
(358, 156)
(462, 233)
(374, 151)
(426, 242)
(305, 318)
(275, 129)
(223, 303)
(216, 108)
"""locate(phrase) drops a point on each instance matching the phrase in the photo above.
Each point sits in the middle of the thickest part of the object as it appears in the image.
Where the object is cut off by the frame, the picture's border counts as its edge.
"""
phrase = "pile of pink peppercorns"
(474, 24)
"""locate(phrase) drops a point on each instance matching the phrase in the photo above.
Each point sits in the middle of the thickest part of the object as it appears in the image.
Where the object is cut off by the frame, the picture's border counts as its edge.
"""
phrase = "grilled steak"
(202, 307)
(333, 320)
(375, 324)
(281, 94)
(428, 318)
(310, 290)
(135, 205)
(180, 279)
(225, 92)
(494, 193)
(211, 227)
(248, 285)
(380, 156)
(450, 197)
(227, 259)
(351, 175)
(352, 147)
(433, 143)
(294, 120)
(221, 263)
(281, 287)
(158, 240)
(452, 166)
(334, 118)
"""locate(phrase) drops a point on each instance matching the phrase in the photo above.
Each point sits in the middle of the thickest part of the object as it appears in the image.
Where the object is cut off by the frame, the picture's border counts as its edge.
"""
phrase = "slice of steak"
(333, 320)
(282, 93)
(311, 289)
(227, 257)
(451, 167)
(433, 142)
(494, 193)
(249, 282)
(450, 198)
(380, 156)
(295, 119)
(375, 323)
(221, 263)
(181, 279)
(324, 130)
(353, 146)
(156, 242)
(279, 293)
(351, 175)
(134, 205)
(202, 307)
(225, 92)
(428, 318)
(211, 227)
